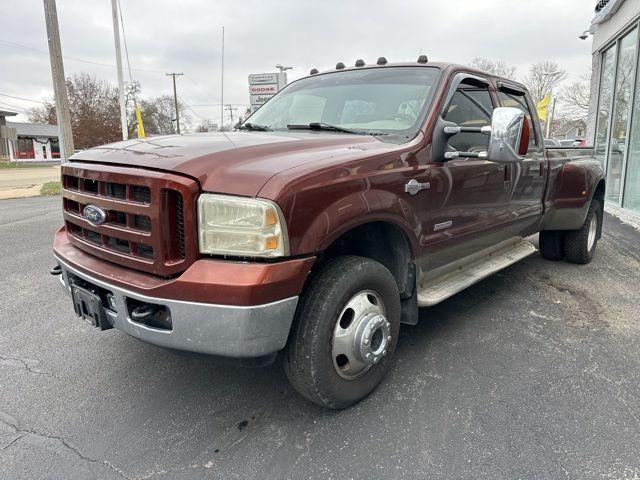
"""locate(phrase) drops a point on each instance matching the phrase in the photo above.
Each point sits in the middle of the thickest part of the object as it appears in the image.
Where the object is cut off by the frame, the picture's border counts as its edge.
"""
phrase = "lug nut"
(366, 342)
(375, 360)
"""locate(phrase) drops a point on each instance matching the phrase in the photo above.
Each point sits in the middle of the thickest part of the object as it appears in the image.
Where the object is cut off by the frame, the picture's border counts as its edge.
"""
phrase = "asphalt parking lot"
(533, 373)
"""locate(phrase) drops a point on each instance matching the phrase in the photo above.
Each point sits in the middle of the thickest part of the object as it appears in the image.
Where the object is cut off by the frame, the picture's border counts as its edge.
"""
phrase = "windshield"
(390, 102)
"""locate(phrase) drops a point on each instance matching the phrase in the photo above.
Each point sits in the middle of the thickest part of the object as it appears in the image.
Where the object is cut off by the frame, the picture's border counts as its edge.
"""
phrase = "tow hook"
(57, 270)
(143, 312)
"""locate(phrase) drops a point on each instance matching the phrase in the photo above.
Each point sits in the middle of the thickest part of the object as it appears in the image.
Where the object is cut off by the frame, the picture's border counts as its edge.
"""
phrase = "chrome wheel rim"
(361, 335)
(593, 230)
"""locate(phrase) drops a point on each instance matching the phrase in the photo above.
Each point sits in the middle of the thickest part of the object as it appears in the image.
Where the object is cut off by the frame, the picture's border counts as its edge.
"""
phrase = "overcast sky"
(185, 36)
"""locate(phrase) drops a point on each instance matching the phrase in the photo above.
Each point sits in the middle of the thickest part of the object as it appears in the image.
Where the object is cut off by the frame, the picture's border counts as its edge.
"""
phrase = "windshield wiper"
(322, 126)
(254, 126)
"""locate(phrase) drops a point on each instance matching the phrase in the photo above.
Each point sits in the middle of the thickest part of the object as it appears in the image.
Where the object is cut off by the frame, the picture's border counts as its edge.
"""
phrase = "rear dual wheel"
(344, 333)
(577, 246)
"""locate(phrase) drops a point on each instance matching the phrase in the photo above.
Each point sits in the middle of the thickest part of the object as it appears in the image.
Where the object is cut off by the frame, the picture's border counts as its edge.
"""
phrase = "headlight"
(240, 226)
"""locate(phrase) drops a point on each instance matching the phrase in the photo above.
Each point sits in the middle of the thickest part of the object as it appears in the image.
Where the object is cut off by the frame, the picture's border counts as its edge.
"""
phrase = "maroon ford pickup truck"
(349, 200)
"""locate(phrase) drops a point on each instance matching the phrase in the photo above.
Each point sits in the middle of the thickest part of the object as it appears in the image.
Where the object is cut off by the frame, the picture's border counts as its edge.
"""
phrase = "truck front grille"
(150, 216)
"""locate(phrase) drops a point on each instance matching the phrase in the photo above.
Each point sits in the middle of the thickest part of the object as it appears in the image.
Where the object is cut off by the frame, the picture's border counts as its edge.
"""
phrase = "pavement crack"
(26, 363)
(22, 433)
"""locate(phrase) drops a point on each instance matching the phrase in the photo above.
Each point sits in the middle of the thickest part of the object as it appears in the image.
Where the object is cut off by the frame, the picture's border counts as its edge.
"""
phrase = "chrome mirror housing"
(509, 138)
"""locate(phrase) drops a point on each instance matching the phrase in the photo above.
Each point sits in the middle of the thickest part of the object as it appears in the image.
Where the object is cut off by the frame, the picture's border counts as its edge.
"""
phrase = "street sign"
(263, 86)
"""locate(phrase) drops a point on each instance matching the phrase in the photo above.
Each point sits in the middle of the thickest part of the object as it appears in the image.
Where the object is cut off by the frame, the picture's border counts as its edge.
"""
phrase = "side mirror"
(508, 137)
(509, 140)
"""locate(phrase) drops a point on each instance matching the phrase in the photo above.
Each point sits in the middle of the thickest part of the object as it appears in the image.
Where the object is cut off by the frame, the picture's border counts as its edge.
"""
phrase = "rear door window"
(511, 98)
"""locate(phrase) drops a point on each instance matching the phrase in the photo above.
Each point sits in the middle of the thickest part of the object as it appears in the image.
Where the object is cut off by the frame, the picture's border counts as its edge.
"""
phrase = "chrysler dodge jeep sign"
(263, 86)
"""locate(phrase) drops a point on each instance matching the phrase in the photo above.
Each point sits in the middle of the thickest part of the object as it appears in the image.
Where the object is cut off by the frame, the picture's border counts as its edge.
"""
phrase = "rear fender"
(571, 193)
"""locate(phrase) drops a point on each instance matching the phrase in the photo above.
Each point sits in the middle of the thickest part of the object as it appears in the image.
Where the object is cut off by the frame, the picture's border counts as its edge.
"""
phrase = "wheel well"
(380, 241)
(598, 193)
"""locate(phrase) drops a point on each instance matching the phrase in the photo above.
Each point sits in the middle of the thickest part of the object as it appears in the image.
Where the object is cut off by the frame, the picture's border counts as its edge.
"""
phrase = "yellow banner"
(140, 124)
(543, 107)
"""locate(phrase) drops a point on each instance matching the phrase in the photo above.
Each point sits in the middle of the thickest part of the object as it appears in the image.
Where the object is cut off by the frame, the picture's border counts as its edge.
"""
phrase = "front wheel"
(344, 333)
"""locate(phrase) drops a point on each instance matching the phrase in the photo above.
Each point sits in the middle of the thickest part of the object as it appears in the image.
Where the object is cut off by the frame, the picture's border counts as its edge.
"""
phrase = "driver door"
(468, 196)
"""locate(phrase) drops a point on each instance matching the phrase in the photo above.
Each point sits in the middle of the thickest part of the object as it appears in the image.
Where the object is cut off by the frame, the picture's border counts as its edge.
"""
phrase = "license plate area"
(88, 303)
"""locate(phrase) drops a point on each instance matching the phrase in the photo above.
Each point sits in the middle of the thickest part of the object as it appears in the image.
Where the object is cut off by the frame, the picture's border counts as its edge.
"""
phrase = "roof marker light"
(382, 61)
(423, 59)
(360, 63)
(339, 66)
(313, 71)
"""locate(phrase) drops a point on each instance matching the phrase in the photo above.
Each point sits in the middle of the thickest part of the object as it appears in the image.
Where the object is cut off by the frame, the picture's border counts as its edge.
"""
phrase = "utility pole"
(550, 120)
(175, 99)
(231, 109)
(59, 84)
(222, 85)
(116, 37)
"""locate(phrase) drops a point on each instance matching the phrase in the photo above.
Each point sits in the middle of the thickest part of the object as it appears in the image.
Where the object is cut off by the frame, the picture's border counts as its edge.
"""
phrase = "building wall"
(618, 145)
(628, 11)
(42, 152)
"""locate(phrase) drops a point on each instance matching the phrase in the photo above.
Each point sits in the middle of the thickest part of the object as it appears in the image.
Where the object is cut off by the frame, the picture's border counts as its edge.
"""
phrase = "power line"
(22, 98)
(191, 109)
(13, 107)
(73, 59)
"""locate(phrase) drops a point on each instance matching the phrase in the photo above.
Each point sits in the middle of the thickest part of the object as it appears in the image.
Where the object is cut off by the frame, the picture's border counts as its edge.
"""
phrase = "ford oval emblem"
(95, 215)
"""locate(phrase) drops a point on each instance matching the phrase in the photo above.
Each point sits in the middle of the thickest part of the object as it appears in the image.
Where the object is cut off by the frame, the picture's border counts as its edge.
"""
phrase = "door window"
(470, 106)
(511, 98)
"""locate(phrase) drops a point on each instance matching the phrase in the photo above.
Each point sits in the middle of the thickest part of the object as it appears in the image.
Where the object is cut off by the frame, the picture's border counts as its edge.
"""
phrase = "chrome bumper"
(226, 330)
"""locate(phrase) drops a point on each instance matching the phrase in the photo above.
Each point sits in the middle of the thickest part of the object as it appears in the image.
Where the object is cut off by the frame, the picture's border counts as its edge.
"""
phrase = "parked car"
(349, 200)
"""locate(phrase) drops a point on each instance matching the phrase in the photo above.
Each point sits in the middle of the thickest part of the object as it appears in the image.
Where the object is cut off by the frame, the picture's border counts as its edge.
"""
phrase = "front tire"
(345, 332)
(580, 245)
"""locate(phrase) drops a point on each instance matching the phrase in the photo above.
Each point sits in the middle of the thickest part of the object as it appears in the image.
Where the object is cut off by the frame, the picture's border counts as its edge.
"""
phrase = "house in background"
(34, 143)
(614, 113)
(571, 130)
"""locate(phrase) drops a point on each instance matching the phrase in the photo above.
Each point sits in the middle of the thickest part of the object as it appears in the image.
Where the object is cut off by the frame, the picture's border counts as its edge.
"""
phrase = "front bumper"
(226, 330)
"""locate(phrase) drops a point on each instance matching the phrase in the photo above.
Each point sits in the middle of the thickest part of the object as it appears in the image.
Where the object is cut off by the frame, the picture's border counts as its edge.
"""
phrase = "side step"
(471, 270)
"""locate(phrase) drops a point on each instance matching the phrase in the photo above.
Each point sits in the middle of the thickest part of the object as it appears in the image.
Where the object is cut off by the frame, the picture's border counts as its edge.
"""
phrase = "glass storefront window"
(606, 100)
(631, 196)
(625, 79)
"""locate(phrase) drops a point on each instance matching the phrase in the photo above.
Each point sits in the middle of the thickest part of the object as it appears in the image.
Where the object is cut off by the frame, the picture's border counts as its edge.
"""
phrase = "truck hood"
(237, 163)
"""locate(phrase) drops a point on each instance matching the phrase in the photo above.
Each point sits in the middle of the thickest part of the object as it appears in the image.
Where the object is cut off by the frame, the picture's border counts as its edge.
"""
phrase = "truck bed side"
(575, 176)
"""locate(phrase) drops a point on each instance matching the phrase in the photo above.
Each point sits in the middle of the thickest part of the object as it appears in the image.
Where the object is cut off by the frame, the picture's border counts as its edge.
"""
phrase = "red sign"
(263, 89)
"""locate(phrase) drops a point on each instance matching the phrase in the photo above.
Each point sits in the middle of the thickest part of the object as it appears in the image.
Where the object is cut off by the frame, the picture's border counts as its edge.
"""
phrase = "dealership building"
(614, 117)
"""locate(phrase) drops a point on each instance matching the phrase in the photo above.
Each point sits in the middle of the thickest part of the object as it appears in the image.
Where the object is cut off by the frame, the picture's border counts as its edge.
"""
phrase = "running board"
(472, 270)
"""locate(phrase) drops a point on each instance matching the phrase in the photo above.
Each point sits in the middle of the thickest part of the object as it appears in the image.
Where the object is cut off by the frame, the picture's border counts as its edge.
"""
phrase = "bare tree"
(158, 116)
(94, 111)
(46, 114)
(543, 77)
(494, 67)
(575, 98)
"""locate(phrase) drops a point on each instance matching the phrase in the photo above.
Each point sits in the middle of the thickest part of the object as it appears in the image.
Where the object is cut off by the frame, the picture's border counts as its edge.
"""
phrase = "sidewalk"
(26, 182)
